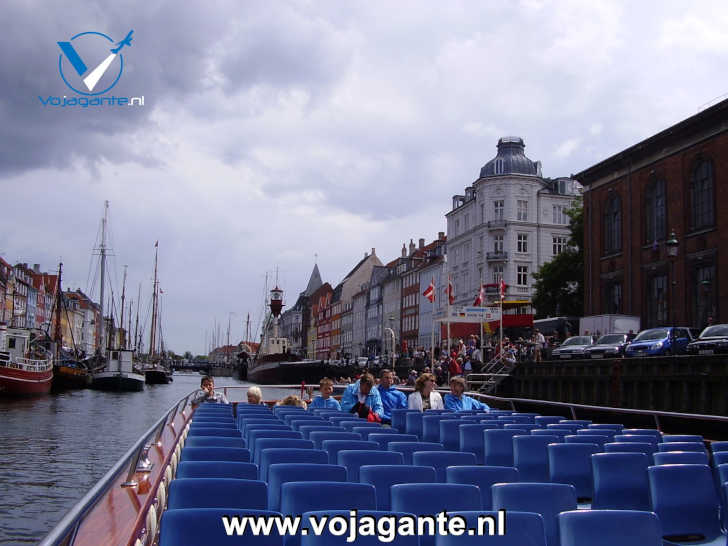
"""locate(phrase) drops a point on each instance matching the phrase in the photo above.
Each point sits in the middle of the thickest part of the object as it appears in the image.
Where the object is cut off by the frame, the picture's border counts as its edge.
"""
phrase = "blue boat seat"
(383, 438)
(195, 526)
(668, 438)
(332, 447)
(609, 527)
(217, 493)
(471, 438)
(681, 446)
(571, 463)
(654, 433)
(681, 457)
(606, 433)
(620, 481)
(521, 529)
(354, 459)
(282, 473)
(220, 469)
(254, 435)
(208, 453)
(306, 430)
(583, 423)
(232, 432)
(484, 477)
(320, 436)
(337, 420)
(441, 460)
(297, 424)
(686, 501)
(280, 455)
(243, 421)
(359, 423)
(408, 448)
(547, 499)
(365, 432)
(531, 457)
(399, 419)
(288, 418)
(631, 447)
(216, 441)
(718, 446)
(571, 427)
(526, 427)
(288, 443)
(614, 427)
(498, 446)
(284, 410)
(248, 429)
(720, 457)
(223, 420)
(637, 438)
(431, 425)
(559, 433)
(383, 477)
(326, 538)
(586, 439)
(543, 420)
(414, 423)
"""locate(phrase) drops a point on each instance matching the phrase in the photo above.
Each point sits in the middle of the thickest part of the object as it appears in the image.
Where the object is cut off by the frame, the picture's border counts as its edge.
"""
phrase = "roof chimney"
(411, 247)
(374, 251)
(36, 268)
(404, 250)
(441, 235)
(422, 243)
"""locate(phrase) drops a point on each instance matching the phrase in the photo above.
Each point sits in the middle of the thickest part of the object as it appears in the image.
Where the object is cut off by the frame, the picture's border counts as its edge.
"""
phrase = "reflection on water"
(55, 447)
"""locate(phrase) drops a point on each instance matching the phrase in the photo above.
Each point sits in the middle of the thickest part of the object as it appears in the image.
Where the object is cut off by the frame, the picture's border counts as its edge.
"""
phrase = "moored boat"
(70, 374)
(119, 374)
(156, 373)
(23, 370)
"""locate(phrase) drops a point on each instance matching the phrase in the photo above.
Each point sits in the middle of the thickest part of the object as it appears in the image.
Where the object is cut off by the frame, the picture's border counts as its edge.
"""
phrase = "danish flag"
(480, 297)
(450, 291)
(502, 289)
(429, 292)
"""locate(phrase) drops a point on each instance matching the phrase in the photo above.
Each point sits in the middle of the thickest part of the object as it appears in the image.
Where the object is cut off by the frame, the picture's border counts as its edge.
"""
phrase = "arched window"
(701, 195)
(655, 211)
(613, 224)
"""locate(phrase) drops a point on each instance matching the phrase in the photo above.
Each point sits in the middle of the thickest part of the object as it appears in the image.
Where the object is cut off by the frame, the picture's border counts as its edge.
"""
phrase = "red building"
(656, 226)
(321, 313)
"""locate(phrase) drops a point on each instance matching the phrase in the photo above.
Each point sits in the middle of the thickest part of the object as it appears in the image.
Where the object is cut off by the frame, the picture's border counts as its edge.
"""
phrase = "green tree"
(560, 282)
(188, 355)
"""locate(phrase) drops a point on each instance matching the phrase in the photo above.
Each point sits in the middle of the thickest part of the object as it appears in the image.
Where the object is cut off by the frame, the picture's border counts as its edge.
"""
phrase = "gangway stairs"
(492, 375)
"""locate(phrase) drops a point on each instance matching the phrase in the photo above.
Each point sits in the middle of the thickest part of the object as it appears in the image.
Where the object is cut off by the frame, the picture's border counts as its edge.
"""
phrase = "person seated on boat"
(255, 395)
(207, 393)
(292, 400)
(392, 397)
(324, 400)
(360, 397)
(425, 396)
(455, 400)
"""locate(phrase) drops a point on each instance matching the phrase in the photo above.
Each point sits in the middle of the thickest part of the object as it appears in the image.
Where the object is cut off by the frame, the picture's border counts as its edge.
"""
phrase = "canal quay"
(57, 446)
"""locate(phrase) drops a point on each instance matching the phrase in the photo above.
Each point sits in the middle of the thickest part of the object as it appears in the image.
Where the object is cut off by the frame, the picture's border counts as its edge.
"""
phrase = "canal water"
(55, 447)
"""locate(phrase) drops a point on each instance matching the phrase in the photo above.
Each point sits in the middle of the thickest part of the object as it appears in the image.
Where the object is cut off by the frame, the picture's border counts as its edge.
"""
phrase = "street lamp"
(672, 244)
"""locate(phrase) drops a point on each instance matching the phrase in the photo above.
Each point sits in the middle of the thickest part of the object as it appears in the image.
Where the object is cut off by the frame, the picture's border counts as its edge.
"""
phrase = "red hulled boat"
(22, 371)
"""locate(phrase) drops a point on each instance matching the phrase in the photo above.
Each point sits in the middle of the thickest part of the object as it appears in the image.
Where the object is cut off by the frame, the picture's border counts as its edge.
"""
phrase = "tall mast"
(136, 322)
(58, 334)
(153, 332)
(102, 250)
(122, 332)
(128, 329)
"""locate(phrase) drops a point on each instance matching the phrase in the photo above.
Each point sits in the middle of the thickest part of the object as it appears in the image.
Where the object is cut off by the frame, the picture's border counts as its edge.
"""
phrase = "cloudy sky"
(273, 132)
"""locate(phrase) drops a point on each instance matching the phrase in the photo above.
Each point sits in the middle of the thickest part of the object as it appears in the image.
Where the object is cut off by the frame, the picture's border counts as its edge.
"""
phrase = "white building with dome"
(508, 223)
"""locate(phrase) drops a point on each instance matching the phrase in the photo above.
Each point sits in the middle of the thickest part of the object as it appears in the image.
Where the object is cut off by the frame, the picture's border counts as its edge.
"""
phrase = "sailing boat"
(118, 373)
(156, 370)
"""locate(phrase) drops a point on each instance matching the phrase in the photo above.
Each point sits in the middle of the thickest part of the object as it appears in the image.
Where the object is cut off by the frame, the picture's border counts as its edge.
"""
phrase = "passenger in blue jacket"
(392, 397)
(326, 388)
(361, 397)
(455, 400)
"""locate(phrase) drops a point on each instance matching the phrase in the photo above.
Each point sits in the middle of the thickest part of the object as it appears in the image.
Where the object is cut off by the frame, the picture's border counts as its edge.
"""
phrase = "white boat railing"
(29, 364)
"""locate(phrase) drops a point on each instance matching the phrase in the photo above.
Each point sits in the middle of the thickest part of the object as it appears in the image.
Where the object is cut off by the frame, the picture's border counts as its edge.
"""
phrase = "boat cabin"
(120, 361)
(13, 344)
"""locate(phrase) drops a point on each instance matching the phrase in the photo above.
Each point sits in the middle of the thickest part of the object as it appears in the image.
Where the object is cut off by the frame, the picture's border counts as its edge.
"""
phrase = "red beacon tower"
(276, 301)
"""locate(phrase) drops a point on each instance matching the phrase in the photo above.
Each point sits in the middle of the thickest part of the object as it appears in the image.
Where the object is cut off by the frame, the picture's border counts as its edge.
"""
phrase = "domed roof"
(510, 159)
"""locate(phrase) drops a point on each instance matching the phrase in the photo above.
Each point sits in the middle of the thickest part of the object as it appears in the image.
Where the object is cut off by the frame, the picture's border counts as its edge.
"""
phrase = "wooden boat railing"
(29, 364)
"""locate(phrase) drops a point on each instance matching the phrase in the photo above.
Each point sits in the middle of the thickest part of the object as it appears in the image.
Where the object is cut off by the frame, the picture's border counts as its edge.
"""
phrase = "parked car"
(609, 346)
(668, 340)
(714, 339)
(362, 361)
(573, 347)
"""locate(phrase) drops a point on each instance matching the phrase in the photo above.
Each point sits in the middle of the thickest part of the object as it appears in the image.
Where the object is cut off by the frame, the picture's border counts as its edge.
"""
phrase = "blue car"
(667, 340)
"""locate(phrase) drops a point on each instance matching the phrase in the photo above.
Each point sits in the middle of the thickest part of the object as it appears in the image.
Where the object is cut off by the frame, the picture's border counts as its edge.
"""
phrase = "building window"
(522, 277)
(701, 196)
(613, 224)
(560, 216)
(559, 243)
(522, 242)
(498, 243)
(497, 273)
(457, 226)
(656, 301)
(498, 207)
(655, 211)
(613, 298)
(482, 213)
(467, 222)
(522, 209)
(704, 301)
(499, 166)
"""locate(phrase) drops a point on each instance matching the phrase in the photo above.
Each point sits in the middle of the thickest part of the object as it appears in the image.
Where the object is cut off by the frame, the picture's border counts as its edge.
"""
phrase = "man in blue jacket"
(361, 397)
(392, 397)
(455, 400)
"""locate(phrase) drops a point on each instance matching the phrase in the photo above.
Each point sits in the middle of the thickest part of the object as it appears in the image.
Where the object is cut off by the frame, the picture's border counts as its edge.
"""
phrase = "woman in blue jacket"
(360, 394)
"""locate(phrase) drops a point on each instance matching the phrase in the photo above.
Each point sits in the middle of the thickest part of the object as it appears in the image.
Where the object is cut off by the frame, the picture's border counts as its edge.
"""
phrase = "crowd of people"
(369, 397)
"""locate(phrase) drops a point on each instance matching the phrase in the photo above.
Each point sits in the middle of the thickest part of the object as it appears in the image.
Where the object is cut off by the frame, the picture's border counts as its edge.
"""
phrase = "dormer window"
(498, 166)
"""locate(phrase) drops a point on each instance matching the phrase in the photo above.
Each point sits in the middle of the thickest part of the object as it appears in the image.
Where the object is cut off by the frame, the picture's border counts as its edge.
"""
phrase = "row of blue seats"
(443, 457)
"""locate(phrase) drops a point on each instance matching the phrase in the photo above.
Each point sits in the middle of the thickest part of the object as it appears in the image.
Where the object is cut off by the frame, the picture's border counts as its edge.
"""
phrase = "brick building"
(675, 182)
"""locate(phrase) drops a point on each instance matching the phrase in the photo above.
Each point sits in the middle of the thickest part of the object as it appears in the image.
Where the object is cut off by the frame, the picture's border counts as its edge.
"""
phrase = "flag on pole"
(450, 290)
(480, 297)
(156, 244)
(502, 289)
(429, 292)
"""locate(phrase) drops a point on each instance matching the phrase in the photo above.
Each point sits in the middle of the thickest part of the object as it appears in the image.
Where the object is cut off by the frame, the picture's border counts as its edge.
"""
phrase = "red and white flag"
(480, 297)
(502, 288)
(450, 290)
(429, 292)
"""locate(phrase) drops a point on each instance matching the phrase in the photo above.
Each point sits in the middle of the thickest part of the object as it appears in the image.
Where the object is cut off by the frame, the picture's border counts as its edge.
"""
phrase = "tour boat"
(24, 370)
(173, 488)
